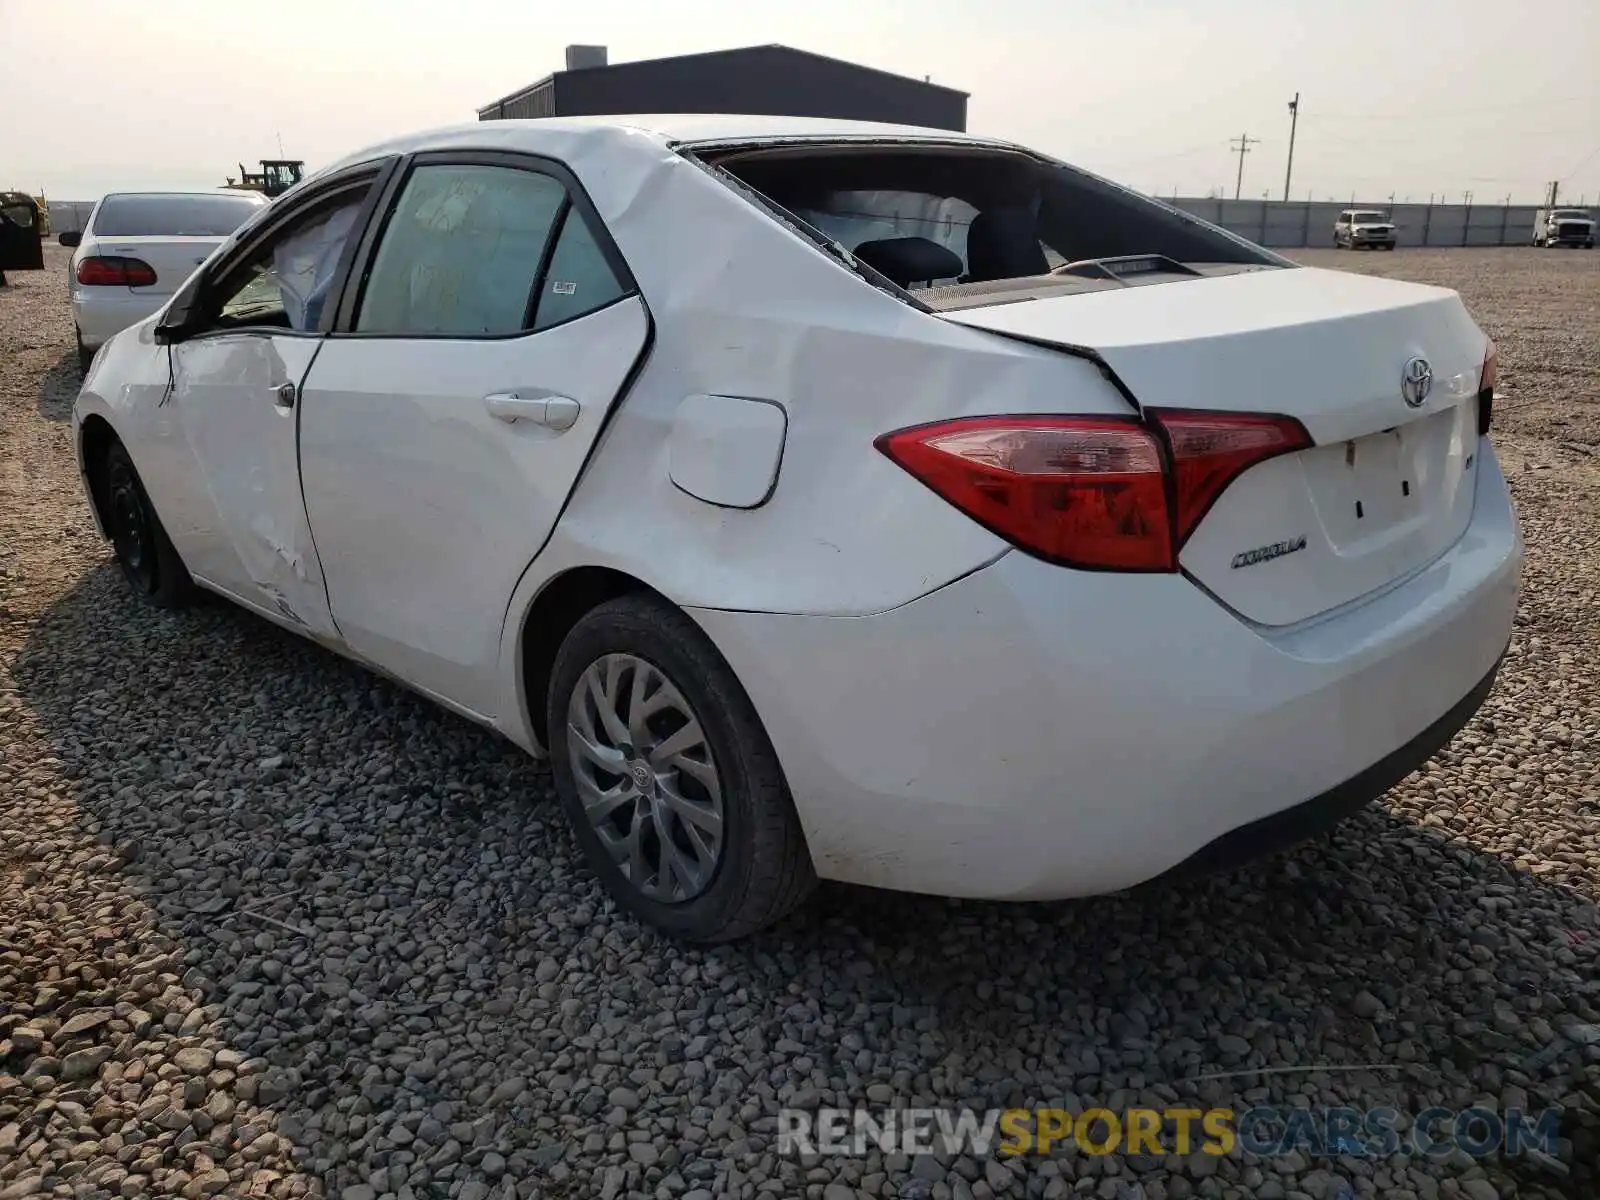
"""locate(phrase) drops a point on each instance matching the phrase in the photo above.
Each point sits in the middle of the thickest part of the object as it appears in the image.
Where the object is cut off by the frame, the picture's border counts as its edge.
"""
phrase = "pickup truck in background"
(1563, 227)
(1363, 229)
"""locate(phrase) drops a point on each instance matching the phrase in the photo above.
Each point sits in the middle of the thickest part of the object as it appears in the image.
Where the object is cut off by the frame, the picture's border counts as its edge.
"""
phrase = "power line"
(1582, 163)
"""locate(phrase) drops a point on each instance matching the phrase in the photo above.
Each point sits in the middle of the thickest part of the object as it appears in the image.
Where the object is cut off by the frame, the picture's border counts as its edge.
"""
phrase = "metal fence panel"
(68, 216)
(1298, 223)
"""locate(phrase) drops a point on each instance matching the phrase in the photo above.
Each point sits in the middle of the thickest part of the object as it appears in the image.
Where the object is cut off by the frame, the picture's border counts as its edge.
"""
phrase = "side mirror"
(73, 237)
(178, 323)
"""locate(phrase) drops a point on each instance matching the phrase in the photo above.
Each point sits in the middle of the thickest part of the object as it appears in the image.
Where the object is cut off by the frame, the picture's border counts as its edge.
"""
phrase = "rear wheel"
(146, 555)
(673, 789)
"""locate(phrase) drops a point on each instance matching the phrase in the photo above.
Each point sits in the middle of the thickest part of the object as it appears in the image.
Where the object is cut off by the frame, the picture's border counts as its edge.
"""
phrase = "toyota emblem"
(1416, 381)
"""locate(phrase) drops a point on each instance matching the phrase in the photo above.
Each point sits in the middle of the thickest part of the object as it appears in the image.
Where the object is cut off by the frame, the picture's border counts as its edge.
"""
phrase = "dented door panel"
(231, 401)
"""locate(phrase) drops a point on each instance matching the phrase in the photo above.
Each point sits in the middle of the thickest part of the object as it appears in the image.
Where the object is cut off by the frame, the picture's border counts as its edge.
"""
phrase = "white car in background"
(895, 555)
(137, 248)
(1363, 229)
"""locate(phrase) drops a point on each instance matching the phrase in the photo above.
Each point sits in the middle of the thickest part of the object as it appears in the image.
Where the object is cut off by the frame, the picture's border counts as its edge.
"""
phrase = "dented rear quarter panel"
(744, 306)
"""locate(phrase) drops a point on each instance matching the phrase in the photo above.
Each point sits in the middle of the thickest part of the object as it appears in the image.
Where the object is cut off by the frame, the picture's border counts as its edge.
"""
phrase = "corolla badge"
(1416, 381)
(1261, 554)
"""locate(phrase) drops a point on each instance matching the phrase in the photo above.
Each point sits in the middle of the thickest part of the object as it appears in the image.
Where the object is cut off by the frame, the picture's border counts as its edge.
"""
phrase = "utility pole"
(1245, 141)
(1555, 186)
(1294, 119)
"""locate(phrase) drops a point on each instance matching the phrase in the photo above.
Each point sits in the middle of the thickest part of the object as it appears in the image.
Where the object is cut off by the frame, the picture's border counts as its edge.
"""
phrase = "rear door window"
(462, 252)
(579, 279)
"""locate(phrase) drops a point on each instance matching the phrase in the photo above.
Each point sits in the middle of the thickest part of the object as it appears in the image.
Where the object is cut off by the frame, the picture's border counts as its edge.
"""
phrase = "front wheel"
(148, 559)
(673, 789)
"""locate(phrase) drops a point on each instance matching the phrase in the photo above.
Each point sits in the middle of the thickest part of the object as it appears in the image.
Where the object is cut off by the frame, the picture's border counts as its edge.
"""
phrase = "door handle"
(284, 395)
(553, 412)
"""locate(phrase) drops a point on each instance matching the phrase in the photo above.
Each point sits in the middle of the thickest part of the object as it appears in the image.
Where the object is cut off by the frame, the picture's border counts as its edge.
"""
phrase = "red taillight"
(1211, 450)
(1487, 378)
(112, 271)
(1103, 493)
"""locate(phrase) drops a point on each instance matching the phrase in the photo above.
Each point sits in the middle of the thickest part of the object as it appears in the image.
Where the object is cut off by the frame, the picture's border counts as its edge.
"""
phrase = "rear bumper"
(1029, 732)
(102, 313)
(1321, 813)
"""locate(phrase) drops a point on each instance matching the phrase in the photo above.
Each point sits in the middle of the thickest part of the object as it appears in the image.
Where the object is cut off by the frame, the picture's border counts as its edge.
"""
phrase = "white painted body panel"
(1326, 347)
(952, 715)
(726, 450)
(1412, 487)
(426, 508)
(1388, 487)
(102, 312)
(244, 442)
(174, 259)
(1029, 733)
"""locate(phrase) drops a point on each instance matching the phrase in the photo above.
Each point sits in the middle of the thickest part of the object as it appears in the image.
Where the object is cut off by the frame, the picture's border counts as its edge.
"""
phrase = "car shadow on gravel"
(382, 902)
(58, 388)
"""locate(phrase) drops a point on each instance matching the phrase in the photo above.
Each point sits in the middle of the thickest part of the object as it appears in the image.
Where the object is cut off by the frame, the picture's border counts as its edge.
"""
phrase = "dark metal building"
(763, 80)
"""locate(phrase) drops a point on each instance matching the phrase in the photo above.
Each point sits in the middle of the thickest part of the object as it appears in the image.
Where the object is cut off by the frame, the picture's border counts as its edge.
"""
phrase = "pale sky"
(1402, 96)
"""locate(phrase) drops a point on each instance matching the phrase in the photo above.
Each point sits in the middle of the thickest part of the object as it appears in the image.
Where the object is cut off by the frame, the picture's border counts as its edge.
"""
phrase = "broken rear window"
(963, 225)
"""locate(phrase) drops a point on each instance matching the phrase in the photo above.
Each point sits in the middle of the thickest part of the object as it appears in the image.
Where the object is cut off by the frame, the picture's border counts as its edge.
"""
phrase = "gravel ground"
(270, 926)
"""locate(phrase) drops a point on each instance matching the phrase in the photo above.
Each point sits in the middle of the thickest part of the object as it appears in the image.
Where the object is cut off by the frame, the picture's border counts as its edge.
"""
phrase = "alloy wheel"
(646, 777)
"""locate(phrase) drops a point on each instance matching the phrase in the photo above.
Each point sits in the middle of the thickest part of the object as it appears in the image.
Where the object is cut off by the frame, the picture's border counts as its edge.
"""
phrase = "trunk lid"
(1386, 488)
(174, 259)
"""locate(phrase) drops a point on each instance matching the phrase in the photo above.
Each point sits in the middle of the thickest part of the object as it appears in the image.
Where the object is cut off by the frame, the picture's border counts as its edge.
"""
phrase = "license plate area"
(1381, 486)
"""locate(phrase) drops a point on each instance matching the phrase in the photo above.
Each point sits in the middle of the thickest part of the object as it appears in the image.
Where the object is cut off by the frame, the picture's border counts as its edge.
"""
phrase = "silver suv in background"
(1363, 229)
(1563, 227)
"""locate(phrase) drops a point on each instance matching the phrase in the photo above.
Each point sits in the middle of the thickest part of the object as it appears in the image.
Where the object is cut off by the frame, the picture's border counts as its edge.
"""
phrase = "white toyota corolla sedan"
(832, 500)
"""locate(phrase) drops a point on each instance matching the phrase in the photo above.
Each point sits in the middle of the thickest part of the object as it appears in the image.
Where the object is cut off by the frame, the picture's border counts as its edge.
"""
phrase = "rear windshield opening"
(156, 215)
(962, 226)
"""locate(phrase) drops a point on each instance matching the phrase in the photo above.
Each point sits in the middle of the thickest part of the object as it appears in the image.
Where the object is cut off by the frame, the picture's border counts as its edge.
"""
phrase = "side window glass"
(287, 284)
(579, 279)
(461, 252)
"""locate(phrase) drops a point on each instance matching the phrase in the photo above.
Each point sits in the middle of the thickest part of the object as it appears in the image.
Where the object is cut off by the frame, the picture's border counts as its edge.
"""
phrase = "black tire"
(85, 355)
(763, 870)
(148, 559)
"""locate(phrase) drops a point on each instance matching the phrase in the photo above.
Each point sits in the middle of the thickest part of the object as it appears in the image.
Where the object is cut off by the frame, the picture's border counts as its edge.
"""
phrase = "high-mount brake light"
(1100, 493)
